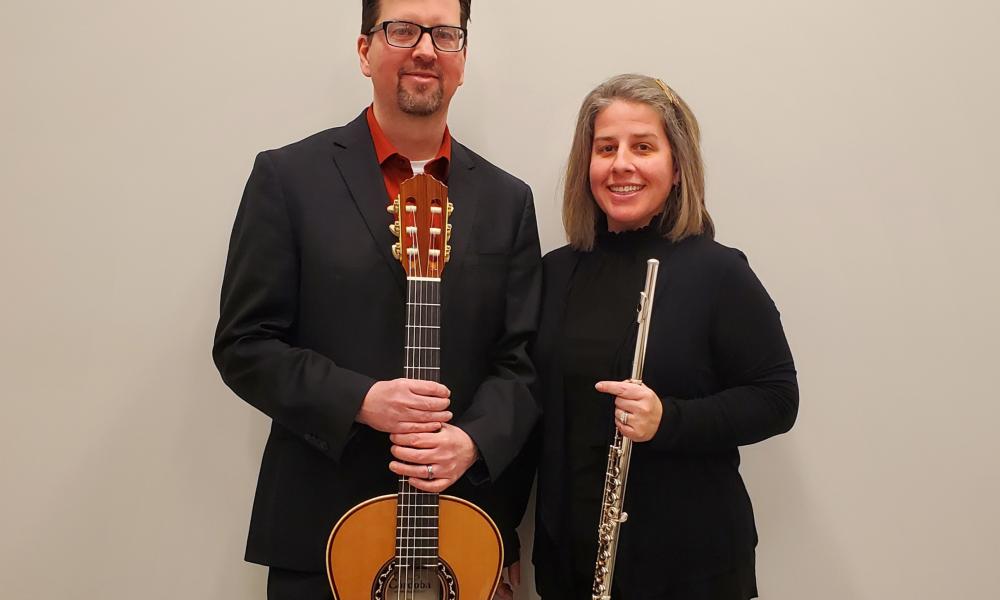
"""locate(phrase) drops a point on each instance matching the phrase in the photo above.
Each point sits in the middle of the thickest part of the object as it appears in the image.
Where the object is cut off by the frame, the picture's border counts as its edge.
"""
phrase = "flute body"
(612, 515)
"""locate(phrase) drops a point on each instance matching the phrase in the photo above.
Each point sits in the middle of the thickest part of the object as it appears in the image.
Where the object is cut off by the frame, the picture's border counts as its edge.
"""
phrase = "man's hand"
(405, 406)
(509, 581)
(638, 409)
(449, 453)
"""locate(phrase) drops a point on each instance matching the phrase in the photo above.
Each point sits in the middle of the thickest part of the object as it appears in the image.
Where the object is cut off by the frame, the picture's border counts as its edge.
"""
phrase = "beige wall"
(852, 153)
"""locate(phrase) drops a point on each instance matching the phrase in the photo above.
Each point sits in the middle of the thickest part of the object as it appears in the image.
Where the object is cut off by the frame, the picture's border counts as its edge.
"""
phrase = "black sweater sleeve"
(759, 396)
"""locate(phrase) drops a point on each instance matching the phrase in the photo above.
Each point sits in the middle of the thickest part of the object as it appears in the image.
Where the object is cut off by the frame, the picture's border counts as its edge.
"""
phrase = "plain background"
(851, 149)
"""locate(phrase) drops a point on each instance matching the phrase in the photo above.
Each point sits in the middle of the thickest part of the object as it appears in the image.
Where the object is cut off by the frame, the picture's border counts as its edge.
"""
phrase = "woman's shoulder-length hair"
(685, 213)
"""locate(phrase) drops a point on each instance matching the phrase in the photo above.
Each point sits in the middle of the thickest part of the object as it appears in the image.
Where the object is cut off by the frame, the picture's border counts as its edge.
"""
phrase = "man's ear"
(465, 57)
(364, 45)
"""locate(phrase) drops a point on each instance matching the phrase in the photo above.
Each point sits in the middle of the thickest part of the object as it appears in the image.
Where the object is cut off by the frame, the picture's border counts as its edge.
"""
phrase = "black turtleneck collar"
(629, 240)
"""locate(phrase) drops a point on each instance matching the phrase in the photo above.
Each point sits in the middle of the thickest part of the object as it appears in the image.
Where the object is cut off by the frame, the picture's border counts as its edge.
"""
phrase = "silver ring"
(623, 417)
(430, 472)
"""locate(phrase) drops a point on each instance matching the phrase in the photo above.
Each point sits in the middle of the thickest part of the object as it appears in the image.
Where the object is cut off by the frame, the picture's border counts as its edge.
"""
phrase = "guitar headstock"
(422, 210)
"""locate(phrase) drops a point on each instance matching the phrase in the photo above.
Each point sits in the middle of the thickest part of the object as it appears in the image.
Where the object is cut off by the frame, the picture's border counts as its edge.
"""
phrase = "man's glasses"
(403, 34)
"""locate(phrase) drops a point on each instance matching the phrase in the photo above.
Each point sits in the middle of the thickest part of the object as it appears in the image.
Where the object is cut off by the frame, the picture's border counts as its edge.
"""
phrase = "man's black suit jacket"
(312, 314)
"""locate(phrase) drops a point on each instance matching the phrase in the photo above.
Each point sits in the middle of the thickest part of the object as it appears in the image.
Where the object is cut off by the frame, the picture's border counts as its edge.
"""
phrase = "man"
(311, 330)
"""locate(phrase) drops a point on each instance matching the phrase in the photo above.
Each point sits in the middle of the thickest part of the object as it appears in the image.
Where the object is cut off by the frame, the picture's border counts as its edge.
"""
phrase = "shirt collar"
(384, 150)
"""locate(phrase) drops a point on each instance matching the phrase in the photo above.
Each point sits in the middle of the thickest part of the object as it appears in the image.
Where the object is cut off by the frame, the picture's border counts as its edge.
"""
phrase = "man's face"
(416, 81)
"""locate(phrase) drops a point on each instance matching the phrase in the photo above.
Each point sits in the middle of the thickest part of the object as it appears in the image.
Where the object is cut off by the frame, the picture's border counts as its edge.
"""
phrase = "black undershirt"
(599, 341)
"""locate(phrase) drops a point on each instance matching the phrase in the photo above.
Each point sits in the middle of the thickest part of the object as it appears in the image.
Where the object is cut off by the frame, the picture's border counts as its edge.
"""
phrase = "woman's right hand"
(638, 410)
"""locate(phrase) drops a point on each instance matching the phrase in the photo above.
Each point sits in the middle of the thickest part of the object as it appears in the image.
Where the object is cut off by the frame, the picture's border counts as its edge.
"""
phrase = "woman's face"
(631, 164)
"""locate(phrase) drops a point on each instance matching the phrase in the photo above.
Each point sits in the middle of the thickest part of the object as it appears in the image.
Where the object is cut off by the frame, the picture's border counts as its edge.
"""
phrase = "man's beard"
(419, 104)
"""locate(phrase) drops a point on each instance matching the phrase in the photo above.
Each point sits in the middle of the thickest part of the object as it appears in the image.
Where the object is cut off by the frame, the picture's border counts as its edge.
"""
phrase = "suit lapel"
(354, 155)
(464, 193)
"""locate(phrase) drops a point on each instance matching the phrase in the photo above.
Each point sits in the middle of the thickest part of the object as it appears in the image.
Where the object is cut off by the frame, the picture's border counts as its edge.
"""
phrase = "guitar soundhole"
(420, 583)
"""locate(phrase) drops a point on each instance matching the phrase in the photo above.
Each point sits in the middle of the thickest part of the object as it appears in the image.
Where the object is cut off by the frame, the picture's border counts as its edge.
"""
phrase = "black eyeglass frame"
(384, 26)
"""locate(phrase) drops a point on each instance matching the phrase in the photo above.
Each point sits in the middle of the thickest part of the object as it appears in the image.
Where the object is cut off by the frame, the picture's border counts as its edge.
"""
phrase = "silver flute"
(612, 515)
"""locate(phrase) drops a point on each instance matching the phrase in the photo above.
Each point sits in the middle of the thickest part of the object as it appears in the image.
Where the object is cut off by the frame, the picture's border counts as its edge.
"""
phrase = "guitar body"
(361, 555)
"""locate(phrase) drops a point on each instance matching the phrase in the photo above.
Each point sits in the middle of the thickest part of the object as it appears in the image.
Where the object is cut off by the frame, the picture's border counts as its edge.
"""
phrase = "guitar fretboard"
(423, 329)
(417, 511)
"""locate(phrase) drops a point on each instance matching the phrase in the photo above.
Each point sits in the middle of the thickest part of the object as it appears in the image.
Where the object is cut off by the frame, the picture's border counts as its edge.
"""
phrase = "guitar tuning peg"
(397, 250)
(394, 228)
(393, 209)
(447, 253)
(451, 208)
(447, 235)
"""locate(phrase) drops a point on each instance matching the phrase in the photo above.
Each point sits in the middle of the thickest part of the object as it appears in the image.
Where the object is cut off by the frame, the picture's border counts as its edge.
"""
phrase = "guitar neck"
(423, 328)
(417, 511)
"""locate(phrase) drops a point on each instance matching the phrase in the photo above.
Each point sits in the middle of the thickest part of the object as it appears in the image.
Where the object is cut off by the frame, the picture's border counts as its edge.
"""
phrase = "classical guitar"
(417, 545)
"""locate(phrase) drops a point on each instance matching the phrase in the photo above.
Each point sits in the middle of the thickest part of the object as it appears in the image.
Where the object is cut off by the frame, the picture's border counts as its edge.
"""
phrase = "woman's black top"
(597, 345)
(690, 530)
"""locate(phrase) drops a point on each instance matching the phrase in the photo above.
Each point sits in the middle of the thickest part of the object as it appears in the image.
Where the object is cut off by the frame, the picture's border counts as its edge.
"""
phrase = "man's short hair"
(370, 8)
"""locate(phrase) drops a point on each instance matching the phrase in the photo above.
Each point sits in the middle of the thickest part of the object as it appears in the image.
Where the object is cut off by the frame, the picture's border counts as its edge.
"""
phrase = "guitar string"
(421, 300)
(432, 340)
(406, 541)
(403, 516)
(410, 588)
(428, 311)
(431, 313)
(434, 358)
(426, 343)
(430, 343)
(421, 374)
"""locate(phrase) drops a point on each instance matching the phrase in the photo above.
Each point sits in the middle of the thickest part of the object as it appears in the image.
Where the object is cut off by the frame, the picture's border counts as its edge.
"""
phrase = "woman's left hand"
(638, 409)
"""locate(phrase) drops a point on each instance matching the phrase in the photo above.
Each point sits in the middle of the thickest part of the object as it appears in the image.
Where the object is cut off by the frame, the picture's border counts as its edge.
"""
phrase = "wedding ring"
(623, 417)
(430, 472)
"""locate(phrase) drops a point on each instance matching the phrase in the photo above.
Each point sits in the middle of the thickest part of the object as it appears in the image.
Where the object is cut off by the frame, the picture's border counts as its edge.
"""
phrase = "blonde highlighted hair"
(685, 213)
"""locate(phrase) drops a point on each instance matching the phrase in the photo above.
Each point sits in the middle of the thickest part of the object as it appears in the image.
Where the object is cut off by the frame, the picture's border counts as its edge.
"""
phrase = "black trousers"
(738, 585)
(283, 584)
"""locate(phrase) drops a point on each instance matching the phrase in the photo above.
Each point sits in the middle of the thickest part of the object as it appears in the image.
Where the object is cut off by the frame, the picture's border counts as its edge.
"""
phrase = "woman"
(718, 371)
